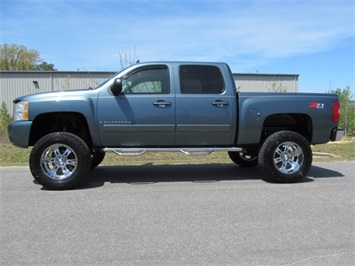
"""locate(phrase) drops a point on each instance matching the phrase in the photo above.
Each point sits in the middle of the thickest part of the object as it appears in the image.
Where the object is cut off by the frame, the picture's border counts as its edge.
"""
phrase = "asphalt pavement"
(214, 214)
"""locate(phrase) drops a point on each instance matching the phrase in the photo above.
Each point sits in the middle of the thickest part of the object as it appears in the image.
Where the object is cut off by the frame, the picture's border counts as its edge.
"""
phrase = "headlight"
(21, 111)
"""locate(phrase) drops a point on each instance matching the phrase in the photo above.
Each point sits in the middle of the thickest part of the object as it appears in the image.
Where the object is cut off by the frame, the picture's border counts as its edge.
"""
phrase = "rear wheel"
(60, 160)
(285, 157)
(244, 159)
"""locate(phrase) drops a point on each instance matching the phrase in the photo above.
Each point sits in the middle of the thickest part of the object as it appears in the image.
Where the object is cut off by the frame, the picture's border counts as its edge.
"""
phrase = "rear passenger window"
(196, 79)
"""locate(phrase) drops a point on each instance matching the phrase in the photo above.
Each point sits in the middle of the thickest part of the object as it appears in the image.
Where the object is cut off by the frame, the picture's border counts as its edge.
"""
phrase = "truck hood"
(56, 94)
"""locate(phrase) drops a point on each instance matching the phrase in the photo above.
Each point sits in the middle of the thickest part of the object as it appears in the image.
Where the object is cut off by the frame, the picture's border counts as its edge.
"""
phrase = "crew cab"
(190, 107)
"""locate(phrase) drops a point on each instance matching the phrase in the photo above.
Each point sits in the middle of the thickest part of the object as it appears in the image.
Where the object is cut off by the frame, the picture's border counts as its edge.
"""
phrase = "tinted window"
(147, 80)
(201, 79)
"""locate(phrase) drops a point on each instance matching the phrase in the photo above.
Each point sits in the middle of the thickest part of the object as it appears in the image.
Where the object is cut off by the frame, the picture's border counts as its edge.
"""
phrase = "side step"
(186, 151)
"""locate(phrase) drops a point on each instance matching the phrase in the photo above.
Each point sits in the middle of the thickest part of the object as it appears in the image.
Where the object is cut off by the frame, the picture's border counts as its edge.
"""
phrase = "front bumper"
(19, 133)
(337, 134)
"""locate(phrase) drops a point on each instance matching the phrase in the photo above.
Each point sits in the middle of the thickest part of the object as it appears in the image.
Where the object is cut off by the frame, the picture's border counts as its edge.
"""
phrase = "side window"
(147, 80)
(196, 79)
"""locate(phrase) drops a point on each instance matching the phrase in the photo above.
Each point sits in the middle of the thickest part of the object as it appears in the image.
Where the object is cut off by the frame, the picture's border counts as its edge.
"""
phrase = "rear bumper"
(19, 133)
(337, 134)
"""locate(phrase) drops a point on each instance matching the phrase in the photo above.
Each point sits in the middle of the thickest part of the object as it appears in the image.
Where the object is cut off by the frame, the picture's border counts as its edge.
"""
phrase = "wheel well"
(60, 122)
(299, 123)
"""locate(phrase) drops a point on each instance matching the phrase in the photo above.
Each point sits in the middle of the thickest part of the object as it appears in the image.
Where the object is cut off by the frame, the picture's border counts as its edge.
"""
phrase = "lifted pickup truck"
(189, 107)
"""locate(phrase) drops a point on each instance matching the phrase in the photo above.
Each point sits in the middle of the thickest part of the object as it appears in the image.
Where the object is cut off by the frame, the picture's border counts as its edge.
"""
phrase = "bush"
(347, 108)
(5, 119)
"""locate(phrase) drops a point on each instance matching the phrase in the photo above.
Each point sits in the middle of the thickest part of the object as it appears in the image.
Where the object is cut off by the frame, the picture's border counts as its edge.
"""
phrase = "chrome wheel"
(285, 157)
(288, 157)
(59, 162)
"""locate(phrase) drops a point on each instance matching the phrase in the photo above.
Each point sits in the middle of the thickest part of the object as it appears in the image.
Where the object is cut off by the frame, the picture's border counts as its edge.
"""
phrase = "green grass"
(341, 151)
(13, 156)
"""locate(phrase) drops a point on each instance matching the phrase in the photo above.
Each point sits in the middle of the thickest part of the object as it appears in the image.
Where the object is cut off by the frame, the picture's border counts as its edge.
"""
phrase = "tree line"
(19, 57)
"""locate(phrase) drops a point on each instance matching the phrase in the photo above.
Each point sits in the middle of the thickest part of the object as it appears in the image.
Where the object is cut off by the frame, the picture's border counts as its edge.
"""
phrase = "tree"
(45, 66)
(277, 86)
(347, 108)
(5, 119)
(128, 59)
(18, 57)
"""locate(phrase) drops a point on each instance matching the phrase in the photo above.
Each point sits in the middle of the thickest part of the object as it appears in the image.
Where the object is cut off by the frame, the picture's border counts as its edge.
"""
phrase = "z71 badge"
(316, 105)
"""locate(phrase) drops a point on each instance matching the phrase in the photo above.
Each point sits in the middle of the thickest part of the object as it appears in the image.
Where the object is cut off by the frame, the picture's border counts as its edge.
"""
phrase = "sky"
(312, 38)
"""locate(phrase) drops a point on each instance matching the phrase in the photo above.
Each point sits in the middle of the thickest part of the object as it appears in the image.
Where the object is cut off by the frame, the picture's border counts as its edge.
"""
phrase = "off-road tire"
(60, 160)
(285, 157)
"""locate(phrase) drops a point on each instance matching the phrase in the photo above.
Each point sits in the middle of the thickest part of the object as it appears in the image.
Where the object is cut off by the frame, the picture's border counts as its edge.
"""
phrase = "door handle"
(161, 103)
(220, 103)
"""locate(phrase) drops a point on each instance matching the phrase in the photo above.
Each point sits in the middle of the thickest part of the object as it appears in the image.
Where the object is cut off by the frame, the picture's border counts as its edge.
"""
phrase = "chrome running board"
(186, 151)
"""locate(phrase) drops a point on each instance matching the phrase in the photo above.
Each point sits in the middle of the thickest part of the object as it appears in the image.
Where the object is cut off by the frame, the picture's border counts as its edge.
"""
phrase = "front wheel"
(60, 160)
(285, 157)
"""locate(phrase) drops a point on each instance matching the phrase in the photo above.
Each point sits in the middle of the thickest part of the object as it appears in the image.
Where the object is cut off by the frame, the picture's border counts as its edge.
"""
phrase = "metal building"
(266, 82)
(17, 83)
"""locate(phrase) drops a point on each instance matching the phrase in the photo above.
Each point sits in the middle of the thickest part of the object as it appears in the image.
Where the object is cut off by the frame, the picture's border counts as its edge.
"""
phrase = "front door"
(143, 115)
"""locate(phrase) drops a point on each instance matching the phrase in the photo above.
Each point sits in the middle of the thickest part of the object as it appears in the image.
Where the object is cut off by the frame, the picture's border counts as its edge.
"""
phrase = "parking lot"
(211, 214)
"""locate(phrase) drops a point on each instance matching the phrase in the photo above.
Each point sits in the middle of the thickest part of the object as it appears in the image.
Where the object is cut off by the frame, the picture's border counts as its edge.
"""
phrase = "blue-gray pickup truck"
(189, 107)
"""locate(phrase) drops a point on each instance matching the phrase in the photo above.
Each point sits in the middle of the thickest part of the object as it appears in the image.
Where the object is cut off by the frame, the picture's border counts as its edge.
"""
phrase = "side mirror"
(116, 87)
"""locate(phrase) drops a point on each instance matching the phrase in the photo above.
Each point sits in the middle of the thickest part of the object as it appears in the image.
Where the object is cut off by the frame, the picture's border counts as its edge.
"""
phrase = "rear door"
(205, 109)
(143, 115)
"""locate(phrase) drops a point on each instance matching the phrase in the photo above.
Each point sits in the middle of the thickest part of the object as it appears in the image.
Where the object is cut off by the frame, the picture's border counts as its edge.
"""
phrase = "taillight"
(336, 111)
